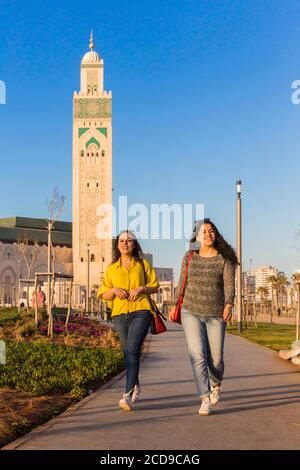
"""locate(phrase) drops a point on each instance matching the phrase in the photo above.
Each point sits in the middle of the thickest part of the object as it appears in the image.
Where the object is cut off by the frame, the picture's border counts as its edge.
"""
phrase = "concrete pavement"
(259, 407)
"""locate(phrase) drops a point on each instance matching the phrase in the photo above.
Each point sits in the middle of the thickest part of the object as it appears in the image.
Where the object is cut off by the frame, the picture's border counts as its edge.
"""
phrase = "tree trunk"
(272, 306)
(36, 318)
(254, 310)
(69, 306)
(49, 277)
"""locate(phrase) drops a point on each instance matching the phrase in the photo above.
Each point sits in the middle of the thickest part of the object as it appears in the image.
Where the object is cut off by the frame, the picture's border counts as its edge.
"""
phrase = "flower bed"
(81, 326)
(43, 368)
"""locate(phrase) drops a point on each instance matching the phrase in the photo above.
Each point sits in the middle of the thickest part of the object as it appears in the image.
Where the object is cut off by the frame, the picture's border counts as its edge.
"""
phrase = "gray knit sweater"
(210, 285)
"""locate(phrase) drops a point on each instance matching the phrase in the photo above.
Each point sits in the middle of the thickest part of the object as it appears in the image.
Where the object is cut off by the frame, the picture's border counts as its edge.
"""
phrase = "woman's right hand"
(120, 293)
(172, 313)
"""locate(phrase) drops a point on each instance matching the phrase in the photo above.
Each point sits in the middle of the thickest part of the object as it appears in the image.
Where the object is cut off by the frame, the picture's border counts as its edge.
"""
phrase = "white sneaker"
(136, 392)
(126, 402)
(206, 408)
(215, 394)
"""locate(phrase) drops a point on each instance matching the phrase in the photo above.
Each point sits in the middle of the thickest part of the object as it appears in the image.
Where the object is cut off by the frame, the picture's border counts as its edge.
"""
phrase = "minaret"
(92, 170)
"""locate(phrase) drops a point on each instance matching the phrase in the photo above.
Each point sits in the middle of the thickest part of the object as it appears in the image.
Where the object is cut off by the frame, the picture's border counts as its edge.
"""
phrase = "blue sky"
(201, 97)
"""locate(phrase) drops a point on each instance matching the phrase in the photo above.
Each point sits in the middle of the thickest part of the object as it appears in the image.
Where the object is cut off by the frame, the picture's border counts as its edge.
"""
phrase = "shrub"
(43, 368)
(9, 316)
(28, 329)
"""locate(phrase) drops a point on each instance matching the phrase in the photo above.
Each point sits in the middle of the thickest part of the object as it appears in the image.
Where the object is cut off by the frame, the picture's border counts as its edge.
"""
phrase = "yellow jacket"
(117, 275)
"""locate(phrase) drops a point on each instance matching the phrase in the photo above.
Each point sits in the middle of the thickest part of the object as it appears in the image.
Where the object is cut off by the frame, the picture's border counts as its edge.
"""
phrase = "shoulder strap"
(143, 266)
(152, 303)
(191, 253)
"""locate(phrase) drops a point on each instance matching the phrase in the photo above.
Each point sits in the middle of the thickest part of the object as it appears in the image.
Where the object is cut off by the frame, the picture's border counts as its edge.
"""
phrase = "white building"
(13, 266)
(92, 170)
(262, 275)
(248, 284)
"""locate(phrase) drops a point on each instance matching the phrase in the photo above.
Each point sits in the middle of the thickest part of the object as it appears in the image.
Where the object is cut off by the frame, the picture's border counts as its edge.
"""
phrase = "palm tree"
(278, 284)
(273, 280)
(282, 283)
(263, 292)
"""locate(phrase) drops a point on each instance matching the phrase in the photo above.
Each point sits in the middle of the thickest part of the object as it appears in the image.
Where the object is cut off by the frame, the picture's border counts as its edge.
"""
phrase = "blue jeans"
(205, 340)
(132, 329)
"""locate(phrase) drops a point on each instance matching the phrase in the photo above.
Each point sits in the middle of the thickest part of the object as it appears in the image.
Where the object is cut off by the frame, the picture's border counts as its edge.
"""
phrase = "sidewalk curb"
(71, 409)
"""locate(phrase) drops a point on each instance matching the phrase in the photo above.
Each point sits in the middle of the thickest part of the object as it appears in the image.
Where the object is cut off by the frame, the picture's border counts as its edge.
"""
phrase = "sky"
(201, 97)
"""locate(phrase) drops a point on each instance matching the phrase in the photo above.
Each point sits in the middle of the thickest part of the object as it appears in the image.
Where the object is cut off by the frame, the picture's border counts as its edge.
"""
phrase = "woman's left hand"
(227, 312)
(134, 293)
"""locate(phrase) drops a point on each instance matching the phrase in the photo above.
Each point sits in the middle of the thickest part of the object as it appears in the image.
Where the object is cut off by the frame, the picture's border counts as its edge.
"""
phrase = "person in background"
(41, 299)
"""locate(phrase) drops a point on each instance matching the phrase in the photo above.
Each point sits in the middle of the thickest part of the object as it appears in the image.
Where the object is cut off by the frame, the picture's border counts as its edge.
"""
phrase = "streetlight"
(251, 259)
(102, 261)
(239, 254)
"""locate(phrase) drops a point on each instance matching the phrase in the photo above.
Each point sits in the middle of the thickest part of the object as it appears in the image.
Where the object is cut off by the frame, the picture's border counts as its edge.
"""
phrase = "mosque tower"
(92, 171)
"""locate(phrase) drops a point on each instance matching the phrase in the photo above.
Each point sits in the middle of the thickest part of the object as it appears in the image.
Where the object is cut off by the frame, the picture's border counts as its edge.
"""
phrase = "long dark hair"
(137, 252)
(220, 244)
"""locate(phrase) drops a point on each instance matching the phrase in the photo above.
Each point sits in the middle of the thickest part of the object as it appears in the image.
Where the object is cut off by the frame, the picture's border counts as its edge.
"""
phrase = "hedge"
(43, 368)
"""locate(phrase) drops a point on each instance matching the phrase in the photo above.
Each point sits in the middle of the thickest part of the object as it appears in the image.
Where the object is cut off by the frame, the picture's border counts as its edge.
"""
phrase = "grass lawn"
(271, 335)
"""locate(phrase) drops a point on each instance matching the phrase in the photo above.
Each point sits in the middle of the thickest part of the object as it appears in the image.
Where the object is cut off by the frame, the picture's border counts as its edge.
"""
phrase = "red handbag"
(177, 314)
(157, 325)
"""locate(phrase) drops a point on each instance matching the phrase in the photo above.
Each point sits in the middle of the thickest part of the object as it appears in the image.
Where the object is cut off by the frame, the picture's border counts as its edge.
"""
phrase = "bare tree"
(28, 251)
(55, 207)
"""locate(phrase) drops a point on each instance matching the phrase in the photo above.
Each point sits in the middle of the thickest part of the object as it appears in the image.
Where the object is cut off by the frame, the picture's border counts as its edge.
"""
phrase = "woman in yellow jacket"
(126, 286)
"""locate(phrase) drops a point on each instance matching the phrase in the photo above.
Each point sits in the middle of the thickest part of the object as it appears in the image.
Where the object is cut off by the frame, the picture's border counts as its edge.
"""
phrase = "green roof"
(14, 228)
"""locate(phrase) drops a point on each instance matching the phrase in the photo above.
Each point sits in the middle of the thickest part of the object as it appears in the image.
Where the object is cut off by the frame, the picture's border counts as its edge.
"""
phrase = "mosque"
(78, 250)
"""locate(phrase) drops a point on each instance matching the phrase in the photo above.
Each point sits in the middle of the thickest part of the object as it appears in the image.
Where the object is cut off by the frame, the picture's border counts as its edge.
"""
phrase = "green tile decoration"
(103, 130)
(82, 130)
(92, 108)
(92, 141)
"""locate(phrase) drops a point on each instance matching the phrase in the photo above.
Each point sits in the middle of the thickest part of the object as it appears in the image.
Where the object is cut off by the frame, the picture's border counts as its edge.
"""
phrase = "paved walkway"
(260, 407)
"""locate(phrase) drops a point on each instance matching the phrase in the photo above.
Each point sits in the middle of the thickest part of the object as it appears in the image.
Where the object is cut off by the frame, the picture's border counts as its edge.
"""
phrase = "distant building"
(262, 275)
(13, 264)
(165, 278)
(248, 284)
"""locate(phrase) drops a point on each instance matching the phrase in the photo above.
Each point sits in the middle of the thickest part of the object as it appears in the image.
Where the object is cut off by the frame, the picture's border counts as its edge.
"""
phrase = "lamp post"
(239, 254)
(251, 259)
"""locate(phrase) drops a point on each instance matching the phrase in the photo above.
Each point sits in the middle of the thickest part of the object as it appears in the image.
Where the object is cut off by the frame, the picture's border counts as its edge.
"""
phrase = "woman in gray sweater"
(207, 306)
